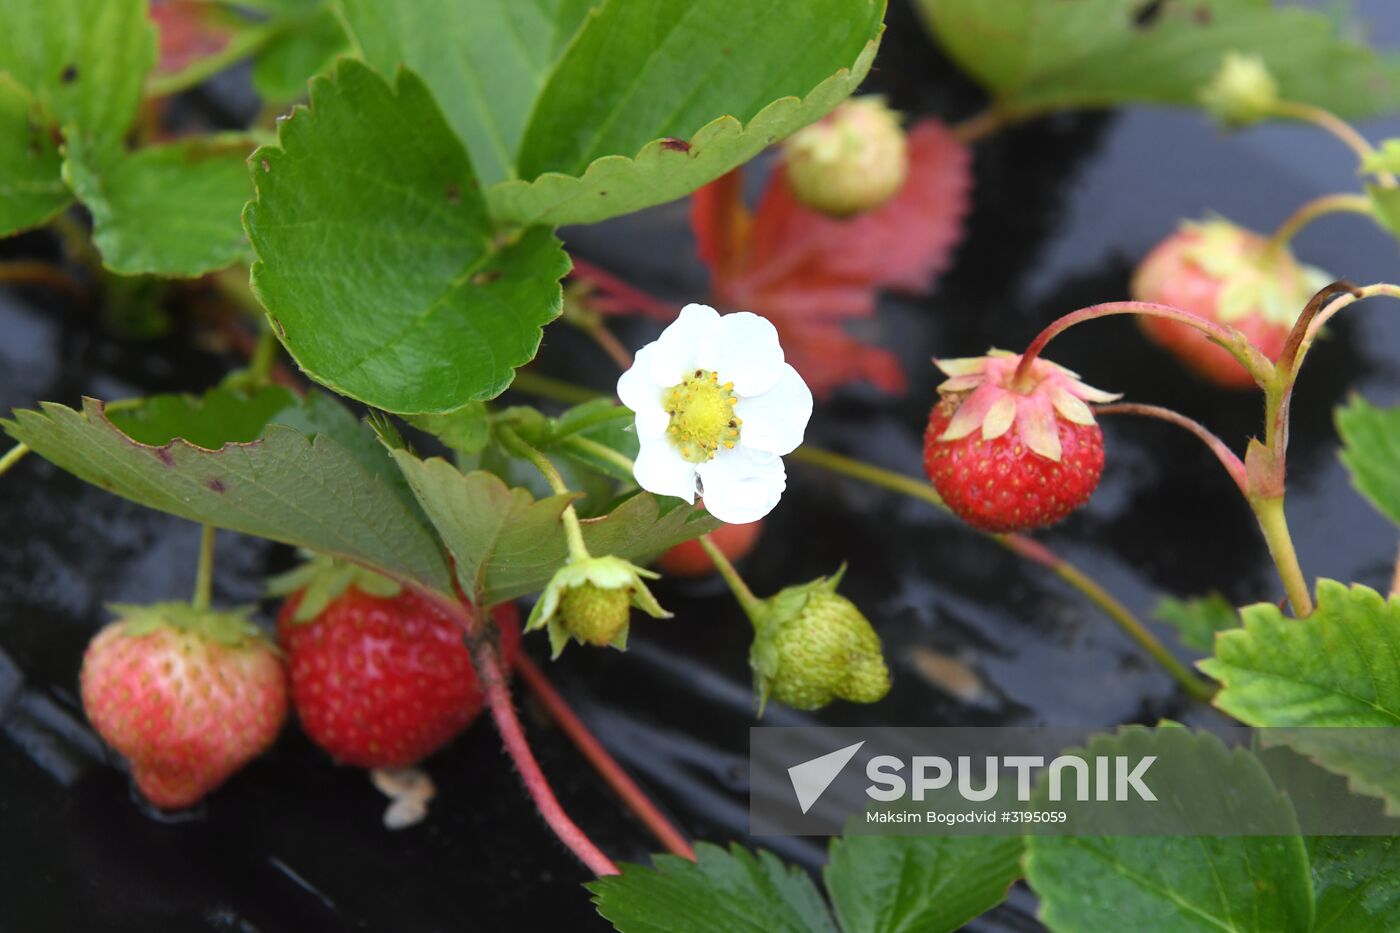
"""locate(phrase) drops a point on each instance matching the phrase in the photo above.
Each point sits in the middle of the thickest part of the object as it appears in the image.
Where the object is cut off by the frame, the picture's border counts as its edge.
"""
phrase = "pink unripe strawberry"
(1230, 275)
(1009, 454)
(187, 696)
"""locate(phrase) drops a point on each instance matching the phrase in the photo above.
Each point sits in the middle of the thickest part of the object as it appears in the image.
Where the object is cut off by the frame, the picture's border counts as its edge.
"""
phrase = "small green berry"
(595, 615)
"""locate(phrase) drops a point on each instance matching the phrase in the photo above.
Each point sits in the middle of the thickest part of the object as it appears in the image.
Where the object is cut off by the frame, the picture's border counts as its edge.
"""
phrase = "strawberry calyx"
(1257, 277)
(321, 579)
(991, 399)
(590, 601)
(232, 628)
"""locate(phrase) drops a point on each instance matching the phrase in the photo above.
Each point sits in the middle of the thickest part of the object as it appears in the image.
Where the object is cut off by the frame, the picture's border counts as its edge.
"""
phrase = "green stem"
(12, 456)
(1274, 524)
(1023, 547)
(752, 605)
(532, 383)
(1198, 688)
(204, 577)
(1312, 210)
(870, 473)
(264, 355)
(592, 448)
(1338, 127)
(573, 531)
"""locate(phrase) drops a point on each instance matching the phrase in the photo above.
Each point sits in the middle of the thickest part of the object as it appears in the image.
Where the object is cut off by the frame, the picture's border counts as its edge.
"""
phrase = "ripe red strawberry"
(381, 677)
(1011, 459)
(688, 559)
(1229, 275)
(186, 696)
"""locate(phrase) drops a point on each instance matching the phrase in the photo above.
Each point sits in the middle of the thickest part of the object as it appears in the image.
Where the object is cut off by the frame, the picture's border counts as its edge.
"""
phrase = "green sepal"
(231, 627)
(323, 579)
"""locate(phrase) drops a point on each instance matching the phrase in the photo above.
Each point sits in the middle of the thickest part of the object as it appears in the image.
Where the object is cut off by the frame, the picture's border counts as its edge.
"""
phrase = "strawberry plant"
(386, 239)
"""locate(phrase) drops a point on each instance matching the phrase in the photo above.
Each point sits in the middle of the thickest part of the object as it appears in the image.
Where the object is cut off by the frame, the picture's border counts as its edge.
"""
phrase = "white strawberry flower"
(717, 407)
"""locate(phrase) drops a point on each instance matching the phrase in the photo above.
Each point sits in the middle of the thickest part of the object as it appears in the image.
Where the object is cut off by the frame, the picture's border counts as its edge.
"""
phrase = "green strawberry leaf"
(1198, 620)
(376, 261)
(67, 68)
(31, 184)
(211, 420)
(506, 543)
(484, 60)
(1354, 883)
(1040, 55)
(83, 60)
(1334, 668)
(170, 210)
(735, 891)
(919, 884)
(466, 430)
(1172, 882)
(654, 98)
(1371, 449)
(304, 42)
(279, 483)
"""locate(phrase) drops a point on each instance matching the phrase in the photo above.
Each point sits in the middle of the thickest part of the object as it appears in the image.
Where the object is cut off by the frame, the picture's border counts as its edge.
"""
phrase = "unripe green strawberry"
(187, 696)
(595, 615)
(814, 646)
(853, 160)
(1241, 92)
(591, 600)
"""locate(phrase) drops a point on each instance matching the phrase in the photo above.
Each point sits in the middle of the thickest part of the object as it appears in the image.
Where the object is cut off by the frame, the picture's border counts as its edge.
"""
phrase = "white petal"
(744, 350)
(639, 392)
(678, 347)
(661, 469)
(742, 485)
(776, 420)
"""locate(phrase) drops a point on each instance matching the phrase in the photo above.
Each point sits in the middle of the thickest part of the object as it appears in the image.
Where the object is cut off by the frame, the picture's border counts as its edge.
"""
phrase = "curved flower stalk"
(717, 407)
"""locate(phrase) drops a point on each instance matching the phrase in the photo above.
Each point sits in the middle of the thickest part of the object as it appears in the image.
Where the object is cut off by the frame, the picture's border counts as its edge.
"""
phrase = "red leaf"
(189, 30)
(810, 274)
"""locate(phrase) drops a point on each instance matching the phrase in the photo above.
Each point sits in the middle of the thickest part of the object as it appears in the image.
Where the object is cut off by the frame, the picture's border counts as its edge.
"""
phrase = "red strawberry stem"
(204, 575)
(43, 274)
(619, 295)
(1264, 463)
(488, 668)
(1227, 457)
(607, 767)
(1228, 337)
(1312, 210)
(496, 688)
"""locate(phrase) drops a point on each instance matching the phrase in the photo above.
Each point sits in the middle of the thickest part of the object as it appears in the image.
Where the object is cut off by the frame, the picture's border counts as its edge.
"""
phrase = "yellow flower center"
(702, 415)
